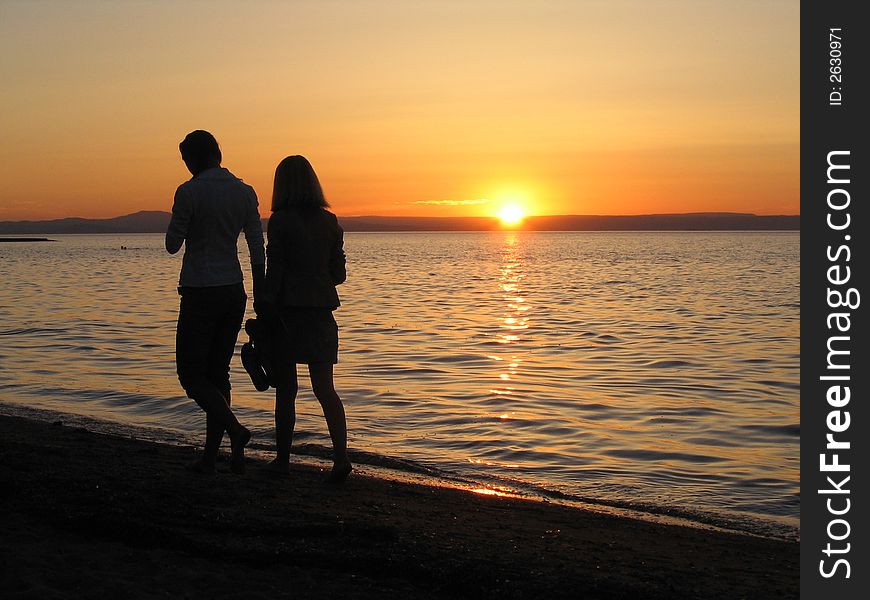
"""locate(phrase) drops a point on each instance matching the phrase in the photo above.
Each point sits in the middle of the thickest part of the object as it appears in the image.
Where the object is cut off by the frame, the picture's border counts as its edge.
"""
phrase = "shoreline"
(94, 513)
(403, 471)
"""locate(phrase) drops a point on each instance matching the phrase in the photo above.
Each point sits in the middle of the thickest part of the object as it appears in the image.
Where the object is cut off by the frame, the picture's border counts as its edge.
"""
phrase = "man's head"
(200, 151)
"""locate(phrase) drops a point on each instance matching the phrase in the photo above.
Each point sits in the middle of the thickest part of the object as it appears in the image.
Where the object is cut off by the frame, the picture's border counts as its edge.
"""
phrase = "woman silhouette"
(305, 261)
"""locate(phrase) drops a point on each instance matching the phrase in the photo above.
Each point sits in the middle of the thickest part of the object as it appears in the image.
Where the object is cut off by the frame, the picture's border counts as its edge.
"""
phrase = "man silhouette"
(210, 211)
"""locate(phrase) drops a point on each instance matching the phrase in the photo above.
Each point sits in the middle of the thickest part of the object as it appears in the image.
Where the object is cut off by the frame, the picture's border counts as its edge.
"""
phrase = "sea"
(656, 372)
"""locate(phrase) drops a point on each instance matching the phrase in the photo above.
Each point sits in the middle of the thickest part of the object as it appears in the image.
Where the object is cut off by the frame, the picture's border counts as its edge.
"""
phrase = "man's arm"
(176, 233)
(254, 239)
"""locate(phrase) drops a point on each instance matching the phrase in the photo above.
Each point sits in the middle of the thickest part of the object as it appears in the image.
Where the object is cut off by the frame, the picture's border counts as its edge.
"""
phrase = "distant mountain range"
(156, 222)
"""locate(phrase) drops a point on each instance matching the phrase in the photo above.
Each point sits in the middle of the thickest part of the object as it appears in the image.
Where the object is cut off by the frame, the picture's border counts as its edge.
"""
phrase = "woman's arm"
(274, 259)
(337, 259)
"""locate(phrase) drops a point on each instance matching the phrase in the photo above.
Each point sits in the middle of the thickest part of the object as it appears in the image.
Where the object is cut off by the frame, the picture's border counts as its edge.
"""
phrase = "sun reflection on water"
(513, 322)
(501, 491)
(490, 492)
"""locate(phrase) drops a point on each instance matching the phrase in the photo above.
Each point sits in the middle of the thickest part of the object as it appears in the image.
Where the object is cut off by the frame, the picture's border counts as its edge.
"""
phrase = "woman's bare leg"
(285, 418)
(333, 410)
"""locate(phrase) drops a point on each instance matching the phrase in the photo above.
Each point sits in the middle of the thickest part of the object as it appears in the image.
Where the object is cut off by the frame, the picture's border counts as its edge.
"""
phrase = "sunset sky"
(406, 108)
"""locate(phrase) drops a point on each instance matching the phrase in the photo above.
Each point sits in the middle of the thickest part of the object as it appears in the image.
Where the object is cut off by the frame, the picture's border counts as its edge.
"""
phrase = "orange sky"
(415, 108)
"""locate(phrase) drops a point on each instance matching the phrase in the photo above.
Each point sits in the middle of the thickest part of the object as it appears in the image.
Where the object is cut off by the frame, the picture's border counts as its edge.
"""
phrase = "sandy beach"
(93, 515)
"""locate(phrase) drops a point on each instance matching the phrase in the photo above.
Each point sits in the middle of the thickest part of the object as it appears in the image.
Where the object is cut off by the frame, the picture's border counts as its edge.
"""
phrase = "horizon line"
(488, 217)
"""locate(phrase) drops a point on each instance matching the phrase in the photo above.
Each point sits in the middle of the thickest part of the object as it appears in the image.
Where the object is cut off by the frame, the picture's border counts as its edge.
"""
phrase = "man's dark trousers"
(208, 327)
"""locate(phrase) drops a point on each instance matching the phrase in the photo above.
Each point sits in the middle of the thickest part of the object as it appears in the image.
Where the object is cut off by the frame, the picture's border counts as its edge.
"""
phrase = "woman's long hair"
(297, 186)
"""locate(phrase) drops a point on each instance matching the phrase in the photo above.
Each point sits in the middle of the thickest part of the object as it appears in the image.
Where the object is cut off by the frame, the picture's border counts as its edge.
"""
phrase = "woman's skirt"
(305, 336)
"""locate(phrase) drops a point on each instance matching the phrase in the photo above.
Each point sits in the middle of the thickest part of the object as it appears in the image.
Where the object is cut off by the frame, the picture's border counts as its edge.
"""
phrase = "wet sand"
(91, 515)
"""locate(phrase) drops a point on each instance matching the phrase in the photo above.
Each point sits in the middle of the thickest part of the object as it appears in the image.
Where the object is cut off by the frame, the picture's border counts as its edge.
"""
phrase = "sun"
(511, 214)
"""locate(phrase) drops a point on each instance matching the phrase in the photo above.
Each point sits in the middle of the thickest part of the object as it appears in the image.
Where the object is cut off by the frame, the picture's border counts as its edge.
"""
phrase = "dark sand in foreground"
(92, 515)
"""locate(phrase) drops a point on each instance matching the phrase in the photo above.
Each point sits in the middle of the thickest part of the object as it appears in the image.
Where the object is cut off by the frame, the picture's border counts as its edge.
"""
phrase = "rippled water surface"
(656, 369)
